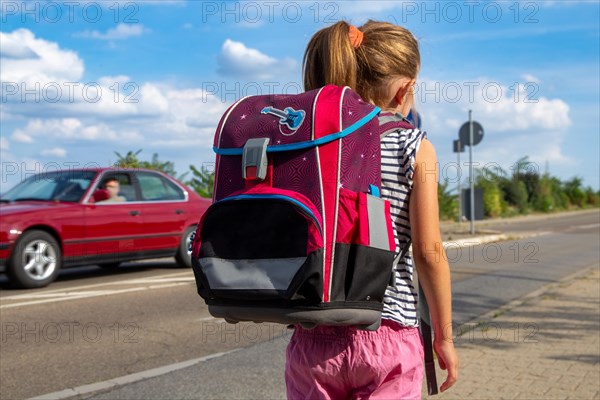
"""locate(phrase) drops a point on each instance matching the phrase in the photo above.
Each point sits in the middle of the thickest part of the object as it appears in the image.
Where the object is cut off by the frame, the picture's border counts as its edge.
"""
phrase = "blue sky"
(83, 79)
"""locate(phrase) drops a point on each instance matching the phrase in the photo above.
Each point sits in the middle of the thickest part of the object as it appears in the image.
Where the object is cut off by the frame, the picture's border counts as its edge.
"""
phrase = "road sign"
(463, 133)
(457, 146)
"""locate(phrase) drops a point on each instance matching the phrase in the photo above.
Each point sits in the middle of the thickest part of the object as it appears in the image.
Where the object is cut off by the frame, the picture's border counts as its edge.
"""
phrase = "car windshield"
(66, 186)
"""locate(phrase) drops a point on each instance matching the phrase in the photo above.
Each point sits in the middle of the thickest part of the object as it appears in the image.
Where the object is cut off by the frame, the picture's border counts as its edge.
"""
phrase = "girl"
(380, 61)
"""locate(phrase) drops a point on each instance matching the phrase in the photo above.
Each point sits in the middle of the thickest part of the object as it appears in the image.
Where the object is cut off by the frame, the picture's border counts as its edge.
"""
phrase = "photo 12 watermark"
(219, 331)
(11, 171)
(20, 171)
(453, 12)
(253, 12)
(471, 91)
(53, 12)
(68, 332)
(469, 251)
(232, 91)
(494, 332)
(70, 92)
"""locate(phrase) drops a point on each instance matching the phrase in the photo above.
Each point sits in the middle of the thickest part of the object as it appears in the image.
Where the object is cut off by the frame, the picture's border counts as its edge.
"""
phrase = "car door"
(114, 229)
(164, 214)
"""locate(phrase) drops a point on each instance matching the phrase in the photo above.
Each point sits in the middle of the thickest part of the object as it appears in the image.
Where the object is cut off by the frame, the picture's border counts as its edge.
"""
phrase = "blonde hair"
(387, 51)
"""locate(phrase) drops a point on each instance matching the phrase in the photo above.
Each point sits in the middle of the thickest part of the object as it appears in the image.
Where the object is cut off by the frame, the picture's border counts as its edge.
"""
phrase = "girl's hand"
(448, 360)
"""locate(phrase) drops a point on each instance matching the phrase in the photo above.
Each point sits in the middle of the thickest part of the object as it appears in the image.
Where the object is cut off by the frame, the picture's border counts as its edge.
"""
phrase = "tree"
(514, 188)
(592, 197)
(574, 191)
(448, 203)
(131, 160)
(550, 197)
(202, 181)
(488, 181)
(515, 194)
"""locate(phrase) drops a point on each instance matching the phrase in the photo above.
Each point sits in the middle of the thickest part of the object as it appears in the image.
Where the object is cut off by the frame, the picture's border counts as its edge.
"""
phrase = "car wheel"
(113, 265)
(184, 255)
(35, 260)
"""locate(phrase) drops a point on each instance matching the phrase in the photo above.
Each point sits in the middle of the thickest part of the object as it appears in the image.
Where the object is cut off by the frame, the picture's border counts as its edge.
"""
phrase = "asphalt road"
(92, 325)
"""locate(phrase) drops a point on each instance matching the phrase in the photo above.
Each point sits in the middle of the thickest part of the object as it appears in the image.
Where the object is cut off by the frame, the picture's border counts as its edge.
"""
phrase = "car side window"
(126, 186)
(157, 188)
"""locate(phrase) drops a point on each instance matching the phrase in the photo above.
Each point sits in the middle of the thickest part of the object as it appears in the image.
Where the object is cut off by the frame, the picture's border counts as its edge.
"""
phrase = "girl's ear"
(403, 91)
(403, 96)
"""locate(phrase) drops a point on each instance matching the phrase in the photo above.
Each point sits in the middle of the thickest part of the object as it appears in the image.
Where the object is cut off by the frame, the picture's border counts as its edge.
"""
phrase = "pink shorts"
(330, 362)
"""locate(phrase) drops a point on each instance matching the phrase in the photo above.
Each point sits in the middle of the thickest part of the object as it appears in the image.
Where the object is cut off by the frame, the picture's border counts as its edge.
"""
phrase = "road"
(91, 325)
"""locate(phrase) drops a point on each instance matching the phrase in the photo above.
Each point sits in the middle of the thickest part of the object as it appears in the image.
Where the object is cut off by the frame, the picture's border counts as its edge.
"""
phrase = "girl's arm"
(430, 259)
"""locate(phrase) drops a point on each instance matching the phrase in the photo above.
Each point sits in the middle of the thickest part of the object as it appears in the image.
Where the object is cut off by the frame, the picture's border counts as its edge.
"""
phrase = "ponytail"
(367, 58)
(330, 58)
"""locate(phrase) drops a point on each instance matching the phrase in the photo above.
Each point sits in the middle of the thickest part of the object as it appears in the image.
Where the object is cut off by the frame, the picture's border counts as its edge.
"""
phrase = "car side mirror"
(100, 195)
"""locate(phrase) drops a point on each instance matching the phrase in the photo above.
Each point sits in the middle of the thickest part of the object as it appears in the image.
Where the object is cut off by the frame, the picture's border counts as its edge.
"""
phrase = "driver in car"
(112, 186)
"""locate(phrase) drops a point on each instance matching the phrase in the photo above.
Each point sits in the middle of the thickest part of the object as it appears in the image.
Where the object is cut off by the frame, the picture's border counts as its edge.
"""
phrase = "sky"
(82, 80)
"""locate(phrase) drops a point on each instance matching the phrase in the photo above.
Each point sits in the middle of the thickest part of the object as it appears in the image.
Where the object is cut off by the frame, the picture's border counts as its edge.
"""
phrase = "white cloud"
(237, 60)
(177, 123)
(4, 144)
(69, 130)
(120, 32)
(516, 124)
(54, 152)
(562, 3)
(503, 107)
(21, 136)
(11, 48)
(108, 81)
(35, 62)
(530, 78)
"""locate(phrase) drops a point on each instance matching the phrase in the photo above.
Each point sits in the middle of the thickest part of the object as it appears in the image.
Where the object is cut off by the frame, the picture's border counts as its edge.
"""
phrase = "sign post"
(471, 175)
(459, 148)
(472, 133)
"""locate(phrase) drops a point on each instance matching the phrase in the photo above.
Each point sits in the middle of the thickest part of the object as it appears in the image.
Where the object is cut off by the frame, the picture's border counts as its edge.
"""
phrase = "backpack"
(297, 232)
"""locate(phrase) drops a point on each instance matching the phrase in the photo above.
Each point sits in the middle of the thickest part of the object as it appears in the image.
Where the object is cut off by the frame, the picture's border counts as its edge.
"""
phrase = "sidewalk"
(545, 346)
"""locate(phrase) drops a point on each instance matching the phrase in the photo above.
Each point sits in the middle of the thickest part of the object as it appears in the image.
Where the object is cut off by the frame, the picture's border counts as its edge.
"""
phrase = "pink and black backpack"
(297, 232)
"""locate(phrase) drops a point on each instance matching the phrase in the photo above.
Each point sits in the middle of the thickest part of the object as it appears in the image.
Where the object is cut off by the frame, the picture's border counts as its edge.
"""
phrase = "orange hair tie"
(356, 36)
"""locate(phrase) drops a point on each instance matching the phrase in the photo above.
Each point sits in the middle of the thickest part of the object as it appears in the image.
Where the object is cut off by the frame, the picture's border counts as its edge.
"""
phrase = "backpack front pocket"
(364, 248)
(260, 247)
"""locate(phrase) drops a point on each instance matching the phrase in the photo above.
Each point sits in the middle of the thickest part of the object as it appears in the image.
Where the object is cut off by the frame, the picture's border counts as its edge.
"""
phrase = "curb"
(477, 240)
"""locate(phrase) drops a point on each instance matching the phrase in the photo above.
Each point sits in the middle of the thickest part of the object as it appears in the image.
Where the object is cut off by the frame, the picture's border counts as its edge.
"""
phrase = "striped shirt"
(398, 153)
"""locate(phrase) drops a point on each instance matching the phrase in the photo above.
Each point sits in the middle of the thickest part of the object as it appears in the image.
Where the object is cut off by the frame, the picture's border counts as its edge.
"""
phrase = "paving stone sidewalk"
(546, 346)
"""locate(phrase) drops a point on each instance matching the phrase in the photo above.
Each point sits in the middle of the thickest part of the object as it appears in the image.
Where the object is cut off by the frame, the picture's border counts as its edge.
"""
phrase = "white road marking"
(127, 379)
(154, 280)
(577, 227)
(95, 285)
(84, 295)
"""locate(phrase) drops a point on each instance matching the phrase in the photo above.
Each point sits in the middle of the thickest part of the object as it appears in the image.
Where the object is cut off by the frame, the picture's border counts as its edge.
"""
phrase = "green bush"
(550, 196)
(448, 203)
(572, 188)
(203, 181)
(515, 194)
(493, 200)
(592, 198)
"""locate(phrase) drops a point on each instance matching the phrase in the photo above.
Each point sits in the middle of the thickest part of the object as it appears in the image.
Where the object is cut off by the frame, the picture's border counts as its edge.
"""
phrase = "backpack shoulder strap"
(426, 332)
(391, 122)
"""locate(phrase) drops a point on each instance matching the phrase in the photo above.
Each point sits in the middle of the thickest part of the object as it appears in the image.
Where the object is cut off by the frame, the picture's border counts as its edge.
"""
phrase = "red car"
(67, 218)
